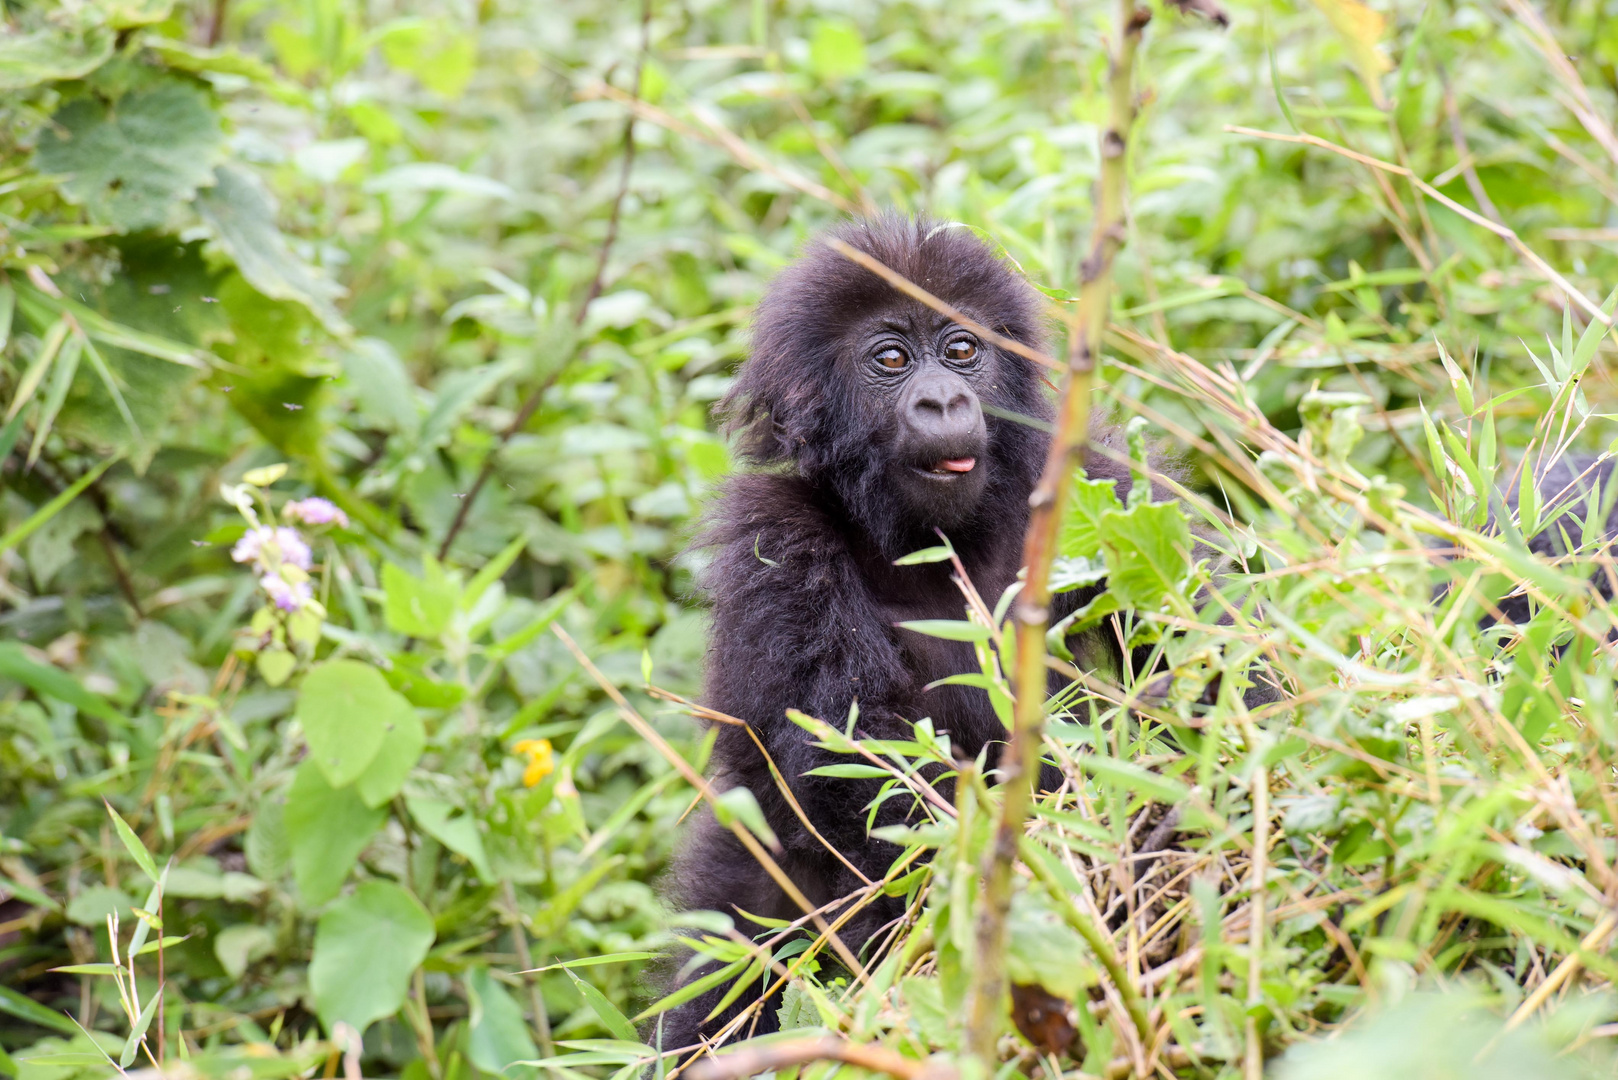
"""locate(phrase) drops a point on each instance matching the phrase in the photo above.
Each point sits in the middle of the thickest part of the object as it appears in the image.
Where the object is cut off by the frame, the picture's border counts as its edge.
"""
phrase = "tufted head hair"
(791, 403)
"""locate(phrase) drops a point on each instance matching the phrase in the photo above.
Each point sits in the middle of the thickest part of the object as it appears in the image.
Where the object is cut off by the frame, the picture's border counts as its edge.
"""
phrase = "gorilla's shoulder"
(774, 520)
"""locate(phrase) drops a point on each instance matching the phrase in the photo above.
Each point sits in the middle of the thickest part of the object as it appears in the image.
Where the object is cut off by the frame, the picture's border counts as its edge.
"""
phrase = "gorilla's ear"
(753, 417)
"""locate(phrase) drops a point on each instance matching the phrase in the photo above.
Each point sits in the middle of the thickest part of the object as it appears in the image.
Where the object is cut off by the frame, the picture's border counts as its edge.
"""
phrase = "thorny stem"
(1020, 762)
(531, 404)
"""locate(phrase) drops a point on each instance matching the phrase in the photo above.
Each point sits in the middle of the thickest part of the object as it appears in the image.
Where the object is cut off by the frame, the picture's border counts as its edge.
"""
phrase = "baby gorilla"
(875, 420)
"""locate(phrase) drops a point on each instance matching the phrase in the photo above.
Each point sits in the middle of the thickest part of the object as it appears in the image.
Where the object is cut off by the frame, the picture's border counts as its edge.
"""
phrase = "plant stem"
(1253, 1063)
(1020, 762)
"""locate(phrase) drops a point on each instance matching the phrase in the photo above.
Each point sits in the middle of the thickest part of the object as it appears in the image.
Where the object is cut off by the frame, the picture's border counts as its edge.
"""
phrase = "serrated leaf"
(1148, 551)
(129, 162)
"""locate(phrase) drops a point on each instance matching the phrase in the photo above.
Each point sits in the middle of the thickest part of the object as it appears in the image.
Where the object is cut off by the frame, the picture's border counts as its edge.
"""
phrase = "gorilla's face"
(921, 374)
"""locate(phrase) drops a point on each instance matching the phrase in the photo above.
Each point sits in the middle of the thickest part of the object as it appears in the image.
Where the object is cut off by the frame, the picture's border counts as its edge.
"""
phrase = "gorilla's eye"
(961, 350)
(892, 357)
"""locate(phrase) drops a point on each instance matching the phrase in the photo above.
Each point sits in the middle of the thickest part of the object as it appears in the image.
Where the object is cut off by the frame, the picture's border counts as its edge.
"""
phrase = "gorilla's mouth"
(952, 466)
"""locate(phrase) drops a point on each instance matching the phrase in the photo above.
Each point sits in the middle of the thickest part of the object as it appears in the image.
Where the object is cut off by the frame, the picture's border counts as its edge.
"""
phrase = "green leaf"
(326, 829)
(1148, 551)
(242, 215)
(438, 53)
(497, 1033)
(1140, 780)
(614, 1021)
(132, 844)
(738, 804)
(949, 629)
(52, 54)
(366, 948)
(420, 607)
(925, 555)
(458, 833)
(137, 1032)
(492, 571)
(1043, 949)
(347, 708)
(1081, 525)
(26, 1008)
(836, 49)
(403, 740)
(129, 162)
(16, 665)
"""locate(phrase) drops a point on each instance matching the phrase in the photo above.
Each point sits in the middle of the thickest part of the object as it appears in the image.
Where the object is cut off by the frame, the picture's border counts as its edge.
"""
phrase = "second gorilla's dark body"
(864, 461)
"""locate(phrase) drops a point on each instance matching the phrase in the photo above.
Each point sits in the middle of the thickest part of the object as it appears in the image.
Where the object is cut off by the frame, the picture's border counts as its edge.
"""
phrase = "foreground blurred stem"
(1020, 763)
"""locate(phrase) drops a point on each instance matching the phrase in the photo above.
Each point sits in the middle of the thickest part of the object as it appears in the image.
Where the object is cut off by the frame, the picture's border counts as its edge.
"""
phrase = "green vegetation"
(357, 368)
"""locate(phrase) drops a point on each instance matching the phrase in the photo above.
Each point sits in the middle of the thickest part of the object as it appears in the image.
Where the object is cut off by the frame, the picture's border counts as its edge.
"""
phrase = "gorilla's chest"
(963, 712)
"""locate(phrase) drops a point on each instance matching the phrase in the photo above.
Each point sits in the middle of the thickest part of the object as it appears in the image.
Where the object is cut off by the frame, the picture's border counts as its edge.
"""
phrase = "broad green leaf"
(1148, 551)
(347, 709)
(242, 215)
(130, 162)
(420, 607)
(326, 829)
(456, 831)
(836, 49)
(1043, 949)
(403, 740)
(52, 54)
(236, 947)
(497, 1033)
(1080, 537)
(367, 946)
(435, 51)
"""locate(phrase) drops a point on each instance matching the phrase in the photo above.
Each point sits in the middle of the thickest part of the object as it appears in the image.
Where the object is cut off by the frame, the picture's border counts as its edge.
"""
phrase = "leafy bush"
(358, 360)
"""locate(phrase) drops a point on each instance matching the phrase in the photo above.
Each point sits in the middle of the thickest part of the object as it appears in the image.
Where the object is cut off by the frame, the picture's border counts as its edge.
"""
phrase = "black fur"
(802, 580)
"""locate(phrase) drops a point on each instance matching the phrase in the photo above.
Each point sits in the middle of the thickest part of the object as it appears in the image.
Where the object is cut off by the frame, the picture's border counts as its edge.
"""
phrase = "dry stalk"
(1020, 762)
(783, 1055)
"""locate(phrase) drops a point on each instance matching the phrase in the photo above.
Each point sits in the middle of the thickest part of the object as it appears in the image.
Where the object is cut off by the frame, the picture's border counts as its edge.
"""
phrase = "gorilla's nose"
(945, 409)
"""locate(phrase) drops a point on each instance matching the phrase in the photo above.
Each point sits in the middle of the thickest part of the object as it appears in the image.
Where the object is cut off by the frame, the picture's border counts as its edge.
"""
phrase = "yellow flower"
(541, 761)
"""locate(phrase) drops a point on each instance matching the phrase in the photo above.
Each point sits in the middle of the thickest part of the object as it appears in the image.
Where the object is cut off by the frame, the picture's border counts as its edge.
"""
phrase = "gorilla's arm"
(795, 627)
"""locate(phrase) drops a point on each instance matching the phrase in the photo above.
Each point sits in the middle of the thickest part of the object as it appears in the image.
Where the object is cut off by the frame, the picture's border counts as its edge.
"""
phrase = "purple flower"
(287, 596)
(269, 547)
(314, 511)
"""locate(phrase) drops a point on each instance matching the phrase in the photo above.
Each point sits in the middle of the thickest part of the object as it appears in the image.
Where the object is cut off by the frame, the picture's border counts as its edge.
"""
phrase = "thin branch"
(531, 404)
(1019, 764)
(784, 1055)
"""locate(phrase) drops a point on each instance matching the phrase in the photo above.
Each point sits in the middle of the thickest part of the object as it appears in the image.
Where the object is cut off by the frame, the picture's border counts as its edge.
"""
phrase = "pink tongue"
(963, 464)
